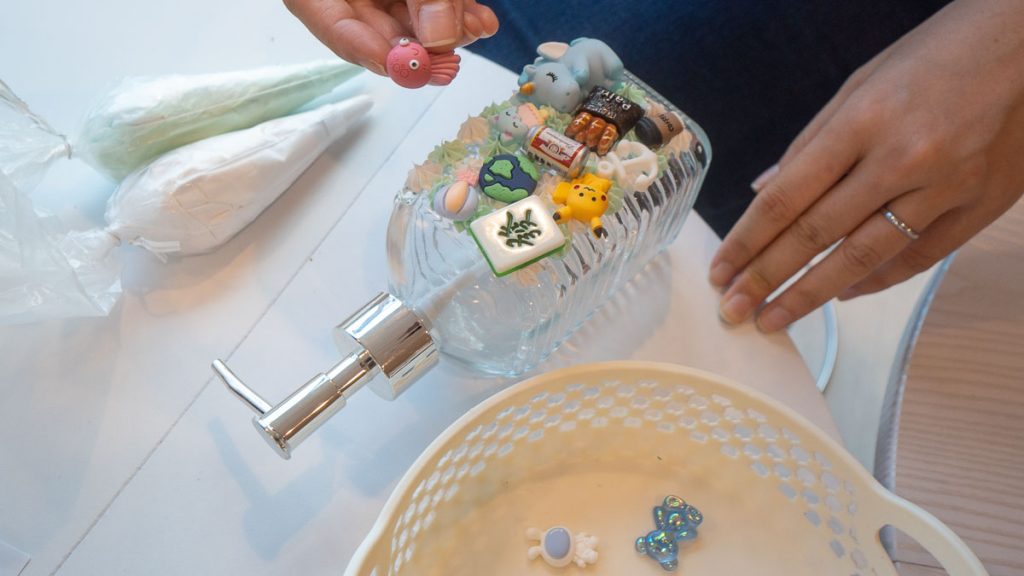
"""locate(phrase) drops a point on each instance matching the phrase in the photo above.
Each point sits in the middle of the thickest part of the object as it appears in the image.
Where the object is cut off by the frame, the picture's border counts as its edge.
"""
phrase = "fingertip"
(359, 43)
(491, 31)
(488, 19)
(373, 62)
(773, 319)
(853, 292)
(735, 308)
(721, 273)
(472, 28)
(375, 67)
(759, 183)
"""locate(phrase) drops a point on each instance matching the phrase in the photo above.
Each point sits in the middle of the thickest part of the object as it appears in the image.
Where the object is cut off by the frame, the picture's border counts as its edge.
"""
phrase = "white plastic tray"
(596, 447)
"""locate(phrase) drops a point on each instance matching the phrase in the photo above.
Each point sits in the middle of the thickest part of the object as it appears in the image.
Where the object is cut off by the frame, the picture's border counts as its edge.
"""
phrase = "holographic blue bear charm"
(675, 521)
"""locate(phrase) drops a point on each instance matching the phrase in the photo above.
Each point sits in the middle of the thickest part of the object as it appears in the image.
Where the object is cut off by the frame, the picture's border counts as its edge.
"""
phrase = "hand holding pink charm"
(411, 66)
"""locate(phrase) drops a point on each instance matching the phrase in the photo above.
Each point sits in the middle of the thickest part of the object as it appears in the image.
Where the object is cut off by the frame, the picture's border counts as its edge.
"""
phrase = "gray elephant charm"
(563, 75)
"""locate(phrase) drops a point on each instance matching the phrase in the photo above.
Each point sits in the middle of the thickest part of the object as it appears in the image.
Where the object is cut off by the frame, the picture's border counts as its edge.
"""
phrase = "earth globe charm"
(508, 178)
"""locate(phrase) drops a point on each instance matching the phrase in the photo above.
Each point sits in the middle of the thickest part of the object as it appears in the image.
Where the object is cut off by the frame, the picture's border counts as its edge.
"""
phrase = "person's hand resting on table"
(363, 31)
(931, 129)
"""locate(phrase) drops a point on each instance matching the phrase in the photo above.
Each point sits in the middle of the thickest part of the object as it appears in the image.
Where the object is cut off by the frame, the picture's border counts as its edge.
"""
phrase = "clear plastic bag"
(188, 201)
(202, 157)
(28, 144)
(45, 273)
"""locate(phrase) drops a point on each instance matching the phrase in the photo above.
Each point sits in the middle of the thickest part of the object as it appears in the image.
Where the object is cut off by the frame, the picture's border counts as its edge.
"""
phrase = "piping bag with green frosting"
(143, 117)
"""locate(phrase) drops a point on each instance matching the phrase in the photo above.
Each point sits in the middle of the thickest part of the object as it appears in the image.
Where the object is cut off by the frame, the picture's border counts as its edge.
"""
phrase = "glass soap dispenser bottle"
(459, 285)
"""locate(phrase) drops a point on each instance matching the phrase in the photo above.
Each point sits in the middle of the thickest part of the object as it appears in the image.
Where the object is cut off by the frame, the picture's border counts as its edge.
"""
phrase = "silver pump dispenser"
(390, 340)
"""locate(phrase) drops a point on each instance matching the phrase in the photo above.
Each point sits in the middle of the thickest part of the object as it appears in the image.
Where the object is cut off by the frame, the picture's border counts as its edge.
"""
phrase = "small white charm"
(633, 165)
(517, 235)
(559, 548)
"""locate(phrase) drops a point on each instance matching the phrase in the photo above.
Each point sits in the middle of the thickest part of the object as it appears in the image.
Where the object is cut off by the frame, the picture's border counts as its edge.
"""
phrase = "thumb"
(437, 23)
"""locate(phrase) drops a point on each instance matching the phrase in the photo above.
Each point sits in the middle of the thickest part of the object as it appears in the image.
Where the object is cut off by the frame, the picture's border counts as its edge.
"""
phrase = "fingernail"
(376, 68)
(736, 308)
(486, 34)
(851, 292)
(437, 24)
(763, 179)
(471, 29)
(721, 273)
(774, 319)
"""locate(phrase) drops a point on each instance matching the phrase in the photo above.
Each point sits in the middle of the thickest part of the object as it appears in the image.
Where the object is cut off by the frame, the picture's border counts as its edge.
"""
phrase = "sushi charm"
(559, 548)
(675, 521)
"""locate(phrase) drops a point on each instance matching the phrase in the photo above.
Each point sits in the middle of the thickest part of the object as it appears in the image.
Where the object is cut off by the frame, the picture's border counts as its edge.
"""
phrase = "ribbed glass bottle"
(509, 324)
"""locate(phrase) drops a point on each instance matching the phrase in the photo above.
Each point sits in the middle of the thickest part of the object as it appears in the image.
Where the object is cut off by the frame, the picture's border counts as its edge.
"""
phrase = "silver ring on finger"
(900, 225)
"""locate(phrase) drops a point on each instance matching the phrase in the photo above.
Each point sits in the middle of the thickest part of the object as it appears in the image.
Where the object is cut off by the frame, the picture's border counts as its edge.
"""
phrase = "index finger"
(336, 24)
(799, 183)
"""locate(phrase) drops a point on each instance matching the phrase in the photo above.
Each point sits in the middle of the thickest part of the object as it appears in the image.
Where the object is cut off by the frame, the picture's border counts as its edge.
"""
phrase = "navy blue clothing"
(752, 73)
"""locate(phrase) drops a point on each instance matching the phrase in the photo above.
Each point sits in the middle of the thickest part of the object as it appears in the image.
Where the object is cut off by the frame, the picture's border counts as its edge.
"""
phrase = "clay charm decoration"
(457, 201)
(513, 122)
(602, 119)
(675, 521)
(585, 199)
(658, 127)
(508, 177)
(556, 150)
(559, 548)
(561, 80)
(633, 165)
(517, 235)
(411, 66)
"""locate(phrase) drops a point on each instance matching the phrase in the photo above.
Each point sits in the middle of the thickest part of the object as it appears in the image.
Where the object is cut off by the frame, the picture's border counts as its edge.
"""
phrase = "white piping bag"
(189, 201)
(144, 117)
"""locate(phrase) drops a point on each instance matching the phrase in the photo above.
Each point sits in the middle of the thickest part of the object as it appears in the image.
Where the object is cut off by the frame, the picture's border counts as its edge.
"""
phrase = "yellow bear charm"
(584, 199)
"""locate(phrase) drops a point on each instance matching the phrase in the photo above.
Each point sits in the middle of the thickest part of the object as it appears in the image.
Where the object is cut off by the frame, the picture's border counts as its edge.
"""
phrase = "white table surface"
(122, 455)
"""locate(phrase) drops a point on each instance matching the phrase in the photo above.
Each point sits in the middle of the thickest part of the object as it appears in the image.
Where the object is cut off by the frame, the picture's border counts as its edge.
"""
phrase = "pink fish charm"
(411, 66)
